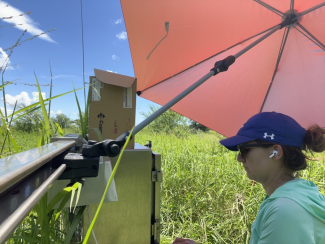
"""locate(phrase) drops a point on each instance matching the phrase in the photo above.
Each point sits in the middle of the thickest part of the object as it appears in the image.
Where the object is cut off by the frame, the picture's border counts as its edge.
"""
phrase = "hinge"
(155, 228)
(156, 176)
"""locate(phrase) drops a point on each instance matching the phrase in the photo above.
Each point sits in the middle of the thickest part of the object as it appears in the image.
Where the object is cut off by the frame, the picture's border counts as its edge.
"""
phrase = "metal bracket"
(155, 228)
(109, 148)
(79, 166)
(156, 176)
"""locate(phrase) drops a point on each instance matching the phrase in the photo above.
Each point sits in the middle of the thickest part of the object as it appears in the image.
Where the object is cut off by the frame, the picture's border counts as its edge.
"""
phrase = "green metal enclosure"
(135, 217)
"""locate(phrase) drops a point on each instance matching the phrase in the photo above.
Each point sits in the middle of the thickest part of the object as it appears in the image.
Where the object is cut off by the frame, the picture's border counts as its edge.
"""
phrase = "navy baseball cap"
(270, 127)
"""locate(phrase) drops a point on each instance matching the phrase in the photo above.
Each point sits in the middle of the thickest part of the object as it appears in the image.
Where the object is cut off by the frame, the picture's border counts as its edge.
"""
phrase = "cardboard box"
(112, 105)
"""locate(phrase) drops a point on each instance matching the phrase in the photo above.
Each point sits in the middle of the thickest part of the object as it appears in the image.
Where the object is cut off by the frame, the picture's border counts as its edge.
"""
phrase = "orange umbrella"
(176, 42)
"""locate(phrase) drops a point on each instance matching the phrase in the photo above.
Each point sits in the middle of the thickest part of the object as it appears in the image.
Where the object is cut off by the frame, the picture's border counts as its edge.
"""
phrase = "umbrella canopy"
(175, 43)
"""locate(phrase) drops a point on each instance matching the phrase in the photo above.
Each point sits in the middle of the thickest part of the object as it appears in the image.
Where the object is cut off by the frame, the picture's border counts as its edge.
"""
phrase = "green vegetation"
(206, 195)
(168, 122)
(29, 123)
(63, 120)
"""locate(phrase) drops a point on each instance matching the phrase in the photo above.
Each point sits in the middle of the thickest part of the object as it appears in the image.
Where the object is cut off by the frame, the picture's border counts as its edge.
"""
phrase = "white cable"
(92, 231)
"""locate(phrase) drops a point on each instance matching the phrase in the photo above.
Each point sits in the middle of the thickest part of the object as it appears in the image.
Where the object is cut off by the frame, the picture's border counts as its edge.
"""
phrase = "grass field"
(206, 195)
(26, 141)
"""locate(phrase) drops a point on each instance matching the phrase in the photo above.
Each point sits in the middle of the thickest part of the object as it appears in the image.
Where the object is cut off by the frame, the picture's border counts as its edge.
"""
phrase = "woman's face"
(257, 162)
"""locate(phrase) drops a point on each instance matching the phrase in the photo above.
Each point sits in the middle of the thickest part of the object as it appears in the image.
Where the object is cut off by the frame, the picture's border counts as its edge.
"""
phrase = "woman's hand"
(183, 241)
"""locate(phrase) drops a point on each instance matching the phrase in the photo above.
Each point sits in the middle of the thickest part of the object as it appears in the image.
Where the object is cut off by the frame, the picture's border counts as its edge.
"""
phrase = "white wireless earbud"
(275, 152)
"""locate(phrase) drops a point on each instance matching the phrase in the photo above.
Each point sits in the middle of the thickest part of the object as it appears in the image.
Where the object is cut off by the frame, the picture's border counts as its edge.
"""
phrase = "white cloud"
(122, 36)
(111, 71)
(23, 98)
(4, 60)
(26, 21)
(9, 111)
(55, 113)
(114, 57)
(64, 76)
(118, 21)
(36, 96)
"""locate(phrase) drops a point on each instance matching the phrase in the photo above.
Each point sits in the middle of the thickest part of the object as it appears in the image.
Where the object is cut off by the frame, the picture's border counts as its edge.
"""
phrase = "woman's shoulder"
(285, 221)
(284, 205)
(297, 190)
(281, 210)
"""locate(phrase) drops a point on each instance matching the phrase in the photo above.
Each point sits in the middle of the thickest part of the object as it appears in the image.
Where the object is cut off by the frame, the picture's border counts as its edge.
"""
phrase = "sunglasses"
(244, 148)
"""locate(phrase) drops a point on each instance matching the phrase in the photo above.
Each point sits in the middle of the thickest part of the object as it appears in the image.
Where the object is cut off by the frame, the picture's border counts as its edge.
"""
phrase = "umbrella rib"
(274, 10)
(312, 9)
(211, 57)
(284, 40)
(310, 39)
(292, 4)
(312, 36)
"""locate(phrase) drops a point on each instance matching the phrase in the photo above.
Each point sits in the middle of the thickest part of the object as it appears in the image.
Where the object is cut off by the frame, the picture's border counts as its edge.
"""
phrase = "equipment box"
(135, 217)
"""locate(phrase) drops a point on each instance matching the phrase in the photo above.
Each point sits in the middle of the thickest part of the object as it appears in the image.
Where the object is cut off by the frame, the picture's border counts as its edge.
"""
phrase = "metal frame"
(10, 224)
(27, 162)
(24, 178)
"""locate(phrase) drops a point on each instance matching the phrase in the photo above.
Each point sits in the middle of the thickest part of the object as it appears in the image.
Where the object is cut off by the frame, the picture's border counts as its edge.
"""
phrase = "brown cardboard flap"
(113, 78)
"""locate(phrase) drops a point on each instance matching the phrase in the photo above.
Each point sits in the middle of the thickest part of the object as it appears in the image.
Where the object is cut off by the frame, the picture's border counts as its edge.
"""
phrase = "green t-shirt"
(293, 214)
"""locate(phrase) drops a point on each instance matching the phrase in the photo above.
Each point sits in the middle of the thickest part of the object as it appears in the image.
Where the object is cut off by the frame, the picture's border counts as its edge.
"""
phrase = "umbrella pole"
(168, 105)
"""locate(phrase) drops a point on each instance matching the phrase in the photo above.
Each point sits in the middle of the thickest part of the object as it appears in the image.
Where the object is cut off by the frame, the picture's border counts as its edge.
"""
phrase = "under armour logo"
(266, 135)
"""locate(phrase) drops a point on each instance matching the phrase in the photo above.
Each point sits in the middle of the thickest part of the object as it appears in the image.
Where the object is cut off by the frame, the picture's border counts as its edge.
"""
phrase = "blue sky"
(105, 47)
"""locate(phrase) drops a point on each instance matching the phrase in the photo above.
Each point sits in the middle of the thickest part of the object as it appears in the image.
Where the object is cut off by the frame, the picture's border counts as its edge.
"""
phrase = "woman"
(270, 148)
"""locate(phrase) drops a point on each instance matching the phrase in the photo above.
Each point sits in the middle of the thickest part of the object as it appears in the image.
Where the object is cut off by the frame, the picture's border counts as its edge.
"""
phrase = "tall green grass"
(206, 195)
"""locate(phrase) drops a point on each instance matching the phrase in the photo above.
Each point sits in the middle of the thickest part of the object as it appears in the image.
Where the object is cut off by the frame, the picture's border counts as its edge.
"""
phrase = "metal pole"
(153, 116)
(292, 5)
(10, 224)
(167, 106)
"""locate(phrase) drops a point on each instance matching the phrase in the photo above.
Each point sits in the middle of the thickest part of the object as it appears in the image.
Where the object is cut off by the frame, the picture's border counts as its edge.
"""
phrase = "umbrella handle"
(223, 65)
